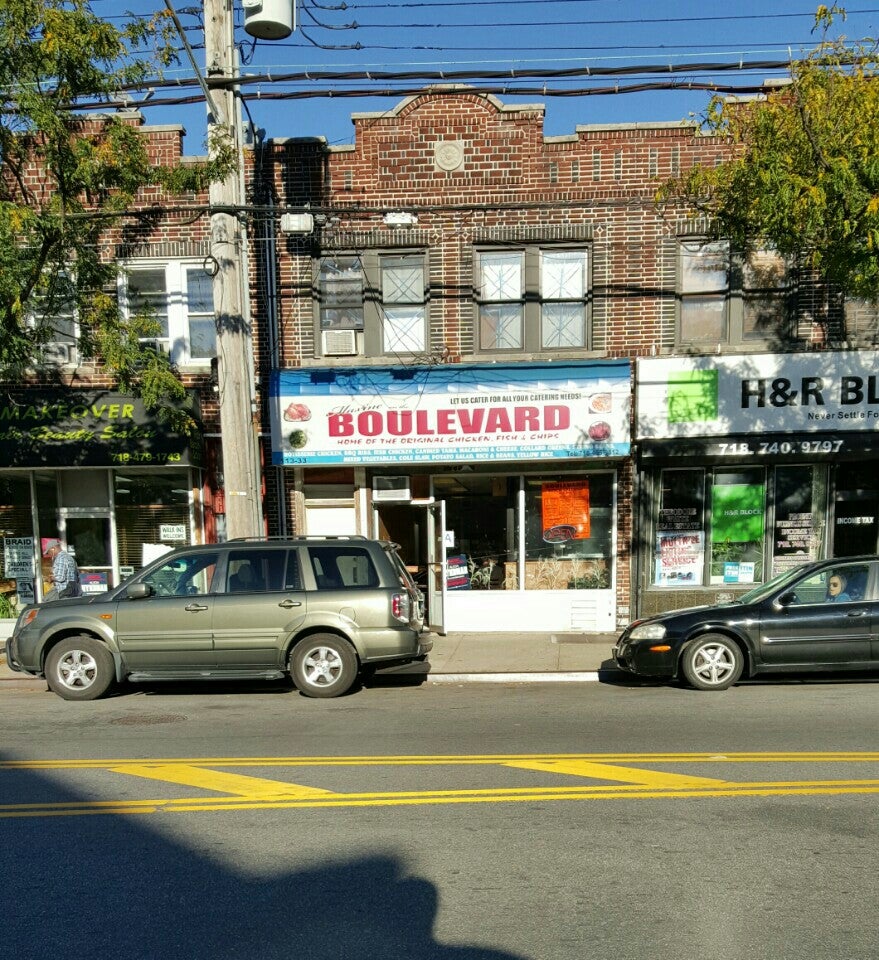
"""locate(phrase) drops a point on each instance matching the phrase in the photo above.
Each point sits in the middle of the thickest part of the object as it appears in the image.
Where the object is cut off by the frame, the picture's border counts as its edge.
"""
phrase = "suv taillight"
(401, 606)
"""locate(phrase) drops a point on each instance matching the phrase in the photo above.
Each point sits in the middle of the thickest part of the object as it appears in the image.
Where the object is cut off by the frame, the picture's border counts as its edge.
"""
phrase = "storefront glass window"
(568, 526)
(738, 507)
(680, 538)
(800, 497)
(480, 520)
(151, 510)
(16, 545)
(856, 512)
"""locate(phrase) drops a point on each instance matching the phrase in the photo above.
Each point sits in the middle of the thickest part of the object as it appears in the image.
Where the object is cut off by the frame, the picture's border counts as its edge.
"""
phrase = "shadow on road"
(108, 886)
(611, 674)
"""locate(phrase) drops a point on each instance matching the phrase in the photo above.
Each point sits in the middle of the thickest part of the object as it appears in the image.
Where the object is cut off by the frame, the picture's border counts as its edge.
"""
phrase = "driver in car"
(836, 592)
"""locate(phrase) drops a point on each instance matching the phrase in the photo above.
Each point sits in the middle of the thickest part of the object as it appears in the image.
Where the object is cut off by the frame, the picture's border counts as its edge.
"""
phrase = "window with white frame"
(179, 297)
(404, 310)
(533, 298)
(373, 303)
(729, 299)
(54, 315)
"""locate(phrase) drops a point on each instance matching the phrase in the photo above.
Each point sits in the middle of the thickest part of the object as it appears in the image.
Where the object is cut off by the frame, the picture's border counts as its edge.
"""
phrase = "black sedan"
(818, 616)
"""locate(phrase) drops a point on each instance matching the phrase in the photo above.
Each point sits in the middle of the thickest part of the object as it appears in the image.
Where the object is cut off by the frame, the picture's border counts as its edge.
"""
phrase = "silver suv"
(317, 608)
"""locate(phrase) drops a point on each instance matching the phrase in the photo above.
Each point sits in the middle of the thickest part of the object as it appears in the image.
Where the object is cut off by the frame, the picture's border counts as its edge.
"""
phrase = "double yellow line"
(620, 779)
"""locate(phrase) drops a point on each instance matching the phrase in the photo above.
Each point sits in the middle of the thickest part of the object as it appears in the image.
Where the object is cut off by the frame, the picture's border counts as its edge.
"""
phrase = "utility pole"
(242, 480)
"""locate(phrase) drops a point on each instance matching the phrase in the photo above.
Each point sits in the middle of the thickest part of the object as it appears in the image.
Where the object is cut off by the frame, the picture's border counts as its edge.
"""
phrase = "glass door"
(89, 539)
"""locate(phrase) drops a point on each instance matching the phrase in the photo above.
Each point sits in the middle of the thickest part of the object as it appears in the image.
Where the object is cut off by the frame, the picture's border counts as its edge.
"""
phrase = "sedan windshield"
(764, 590)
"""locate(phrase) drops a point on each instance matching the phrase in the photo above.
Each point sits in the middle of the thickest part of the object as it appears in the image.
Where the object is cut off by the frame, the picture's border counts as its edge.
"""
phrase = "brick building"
(87, 465)
(496, 349)
(493, 347)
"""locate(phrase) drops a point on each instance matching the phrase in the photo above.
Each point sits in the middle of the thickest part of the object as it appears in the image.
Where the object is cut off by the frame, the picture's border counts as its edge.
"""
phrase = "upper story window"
(728, 299)
(54, 313)
(861, 322)
(372, 304)
(533, 299)
(179, 296)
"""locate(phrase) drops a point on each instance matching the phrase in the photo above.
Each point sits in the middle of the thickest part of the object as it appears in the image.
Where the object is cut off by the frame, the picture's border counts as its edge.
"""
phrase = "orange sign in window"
(565, 511)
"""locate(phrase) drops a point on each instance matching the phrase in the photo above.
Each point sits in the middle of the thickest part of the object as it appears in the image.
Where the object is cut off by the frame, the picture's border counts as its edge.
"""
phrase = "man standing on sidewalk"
(65, 575)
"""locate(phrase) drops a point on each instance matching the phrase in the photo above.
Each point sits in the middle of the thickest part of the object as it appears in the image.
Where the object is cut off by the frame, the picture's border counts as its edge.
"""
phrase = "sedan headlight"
(648, 631)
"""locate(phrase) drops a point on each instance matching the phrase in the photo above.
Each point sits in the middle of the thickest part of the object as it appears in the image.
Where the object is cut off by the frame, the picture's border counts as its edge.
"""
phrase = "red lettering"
(445, 421)
(340, 424)
(527, 418)
(400, 422)
(422, 427)
(498, 421)
(471, 420)
(556, 418)
(370, 423)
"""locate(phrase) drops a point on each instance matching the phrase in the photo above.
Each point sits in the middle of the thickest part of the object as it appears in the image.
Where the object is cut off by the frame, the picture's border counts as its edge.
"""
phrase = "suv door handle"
(858, 613)
(290, 603)
(194, 607)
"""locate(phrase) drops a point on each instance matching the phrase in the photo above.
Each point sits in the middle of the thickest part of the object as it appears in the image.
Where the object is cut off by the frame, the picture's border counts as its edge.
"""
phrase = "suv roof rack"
(298, 536)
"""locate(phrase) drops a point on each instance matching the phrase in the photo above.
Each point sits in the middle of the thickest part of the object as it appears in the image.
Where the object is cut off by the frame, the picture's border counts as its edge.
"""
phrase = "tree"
(803, 172)
(67, 179)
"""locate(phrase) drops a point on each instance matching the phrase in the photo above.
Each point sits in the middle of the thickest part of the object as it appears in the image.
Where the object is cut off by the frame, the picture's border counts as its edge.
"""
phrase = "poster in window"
(737, 527)
(565, 511)
(679, 559)
(457, 572)
(737, 513)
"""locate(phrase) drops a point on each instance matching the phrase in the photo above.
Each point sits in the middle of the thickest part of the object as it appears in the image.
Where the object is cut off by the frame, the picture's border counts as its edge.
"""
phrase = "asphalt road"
(537, 822)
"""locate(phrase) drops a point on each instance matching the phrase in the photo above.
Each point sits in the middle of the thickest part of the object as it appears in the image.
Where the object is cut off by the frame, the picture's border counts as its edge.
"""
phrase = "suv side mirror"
(139, 591)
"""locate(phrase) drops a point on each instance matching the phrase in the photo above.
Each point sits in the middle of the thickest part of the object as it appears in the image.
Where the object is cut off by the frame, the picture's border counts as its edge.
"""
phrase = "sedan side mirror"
(139, 591)
(786, 599)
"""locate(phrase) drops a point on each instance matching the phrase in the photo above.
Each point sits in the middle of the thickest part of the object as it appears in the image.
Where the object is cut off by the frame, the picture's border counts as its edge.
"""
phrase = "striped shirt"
(64, 571)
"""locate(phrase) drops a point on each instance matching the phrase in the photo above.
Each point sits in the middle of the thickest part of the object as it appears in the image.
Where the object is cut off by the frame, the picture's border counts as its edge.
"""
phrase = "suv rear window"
(342, 567)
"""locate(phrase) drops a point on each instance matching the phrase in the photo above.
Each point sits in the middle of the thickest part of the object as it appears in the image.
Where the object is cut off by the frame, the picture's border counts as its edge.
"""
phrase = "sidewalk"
(484, 658)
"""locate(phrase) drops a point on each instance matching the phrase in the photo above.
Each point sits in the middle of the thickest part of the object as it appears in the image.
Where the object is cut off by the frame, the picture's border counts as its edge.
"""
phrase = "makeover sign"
(459, 413)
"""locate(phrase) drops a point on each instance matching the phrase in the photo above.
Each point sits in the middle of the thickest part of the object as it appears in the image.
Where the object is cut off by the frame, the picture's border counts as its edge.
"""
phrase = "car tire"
(323, 665)
(80, 668)
(712, 662)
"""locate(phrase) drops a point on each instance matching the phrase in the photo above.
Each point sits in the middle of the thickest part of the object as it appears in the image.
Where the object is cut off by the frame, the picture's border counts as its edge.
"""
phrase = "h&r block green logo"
(692, 396)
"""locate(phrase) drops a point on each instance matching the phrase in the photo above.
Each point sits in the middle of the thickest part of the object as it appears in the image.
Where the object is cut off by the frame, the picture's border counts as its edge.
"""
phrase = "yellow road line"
(234, 783)
(416, 798)
(460, 760)
(608, 771)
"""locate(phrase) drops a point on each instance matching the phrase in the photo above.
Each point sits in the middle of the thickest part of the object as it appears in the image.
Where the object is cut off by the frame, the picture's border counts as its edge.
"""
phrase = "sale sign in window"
(565, 507)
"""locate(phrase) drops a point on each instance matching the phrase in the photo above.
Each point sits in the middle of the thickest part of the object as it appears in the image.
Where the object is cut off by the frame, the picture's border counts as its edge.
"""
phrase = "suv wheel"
(323, 666)
(712, 662)
(80, 668)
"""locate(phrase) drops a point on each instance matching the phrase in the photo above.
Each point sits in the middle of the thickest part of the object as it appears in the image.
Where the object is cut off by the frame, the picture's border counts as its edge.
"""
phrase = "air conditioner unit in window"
(390, 488)
(60, 353)
(340, 343)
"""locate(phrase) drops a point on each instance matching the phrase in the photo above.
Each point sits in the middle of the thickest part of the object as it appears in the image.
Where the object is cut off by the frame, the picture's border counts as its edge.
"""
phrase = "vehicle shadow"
(412, 675)
(110, 886)
(610, 673)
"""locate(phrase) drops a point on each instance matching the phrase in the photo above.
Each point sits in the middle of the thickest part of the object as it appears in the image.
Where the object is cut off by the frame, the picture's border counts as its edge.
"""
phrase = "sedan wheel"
(712, 663)
(80, 668)
(323, 666)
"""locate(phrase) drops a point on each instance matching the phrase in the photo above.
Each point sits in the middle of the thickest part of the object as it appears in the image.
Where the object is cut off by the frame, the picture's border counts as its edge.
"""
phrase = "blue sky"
(365, 36)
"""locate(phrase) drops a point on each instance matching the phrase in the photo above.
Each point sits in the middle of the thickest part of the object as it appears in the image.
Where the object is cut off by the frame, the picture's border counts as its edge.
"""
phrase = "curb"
(586, 676)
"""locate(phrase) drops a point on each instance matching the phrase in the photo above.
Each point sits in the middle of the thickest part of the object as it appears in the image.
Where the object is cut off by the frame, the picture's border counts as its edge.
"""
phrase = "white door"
(436, 566)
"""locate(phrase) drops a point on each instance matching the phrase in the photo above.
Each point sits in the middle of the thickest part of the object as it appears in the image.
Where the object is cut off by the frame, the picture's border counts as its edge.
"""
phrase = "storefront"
(748, 465)
(94, 471)
(500, 482)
